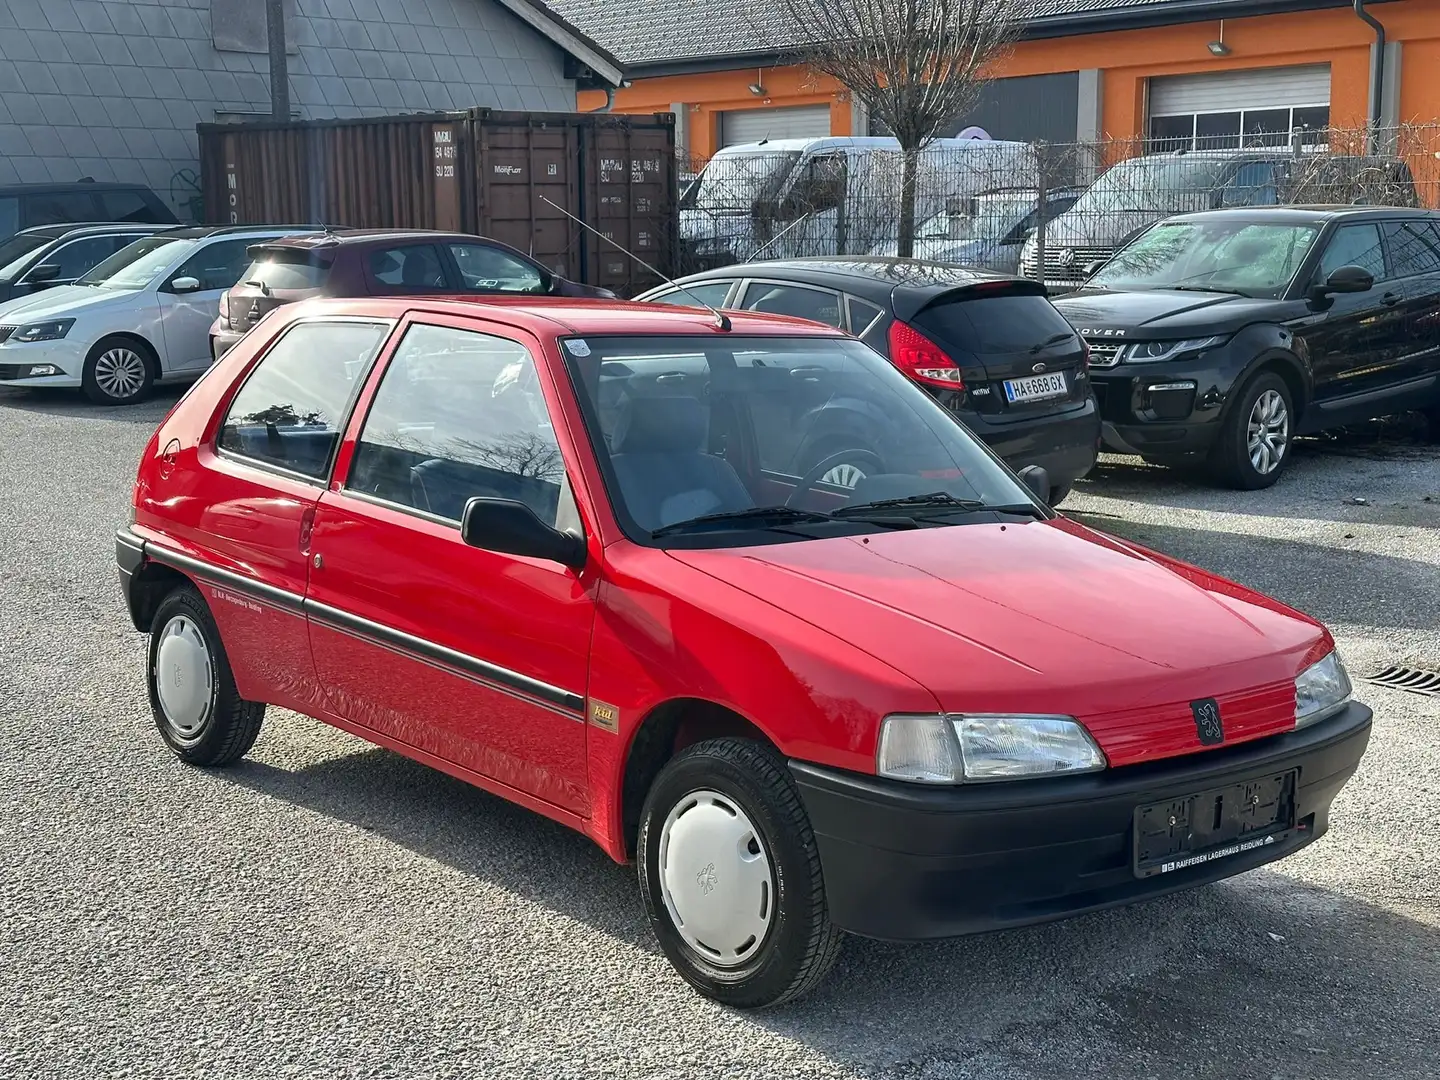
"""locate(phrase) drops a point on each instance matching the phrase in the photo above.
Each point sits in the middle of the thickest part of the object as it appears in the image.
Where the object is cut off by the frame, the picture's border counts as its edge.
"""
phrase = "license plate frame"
(1214, 824)
(1033, 388)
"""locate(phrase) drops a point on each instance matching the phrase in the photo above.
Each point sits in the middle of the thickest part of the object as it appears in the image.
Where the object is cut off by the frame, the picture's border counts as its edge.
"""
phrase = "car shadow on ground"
(1261, 976)
(74, 403)
(1331, 582)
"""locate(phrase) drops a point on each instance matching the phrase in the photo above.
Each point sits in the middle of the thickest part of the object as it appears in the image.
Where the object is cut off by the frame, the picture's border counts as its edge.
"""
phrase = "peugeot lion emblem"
(1208, 725)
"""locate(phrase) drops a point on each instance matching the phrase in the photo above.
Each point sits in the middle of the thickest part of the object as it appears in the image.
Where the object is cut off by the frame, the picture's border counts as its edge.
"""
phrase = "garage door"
(1218, 111)
(795, 122)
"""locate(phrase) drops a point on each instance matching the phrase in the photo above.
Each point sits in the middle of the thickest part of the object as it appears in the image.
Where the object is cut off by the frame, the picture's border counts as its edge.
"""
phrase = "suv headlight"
(1321, 690)
(973, 748)
(53, 330)
(1149, 352)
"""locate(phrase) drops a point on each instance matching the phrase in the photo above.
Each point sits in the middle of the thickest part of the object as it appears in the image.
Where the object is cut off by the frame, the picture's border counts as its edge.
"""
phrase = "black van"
(25, 205)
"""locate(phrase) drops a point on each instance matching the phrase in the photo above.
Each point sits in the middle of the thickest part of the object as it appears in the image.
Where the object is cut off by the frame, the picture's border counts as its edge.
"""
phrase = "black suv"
(24, 205)
(988, 347)
(1217, 337)
(50, 255)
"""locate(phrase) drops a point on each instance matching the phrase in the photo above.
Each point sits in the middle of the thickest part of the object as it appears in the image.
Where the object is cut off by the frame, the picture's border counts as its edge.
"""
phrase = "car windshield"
(988, 217)
(736, 181)
(732, 441)
(15, 254)
(1171, 185)
(139, 264)
(1245, 257)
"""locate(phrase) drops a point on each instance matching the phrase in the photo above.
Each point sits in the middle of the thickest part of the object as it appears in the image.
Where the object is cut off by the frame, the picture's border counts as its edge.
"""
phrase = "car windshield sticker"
(578, 347)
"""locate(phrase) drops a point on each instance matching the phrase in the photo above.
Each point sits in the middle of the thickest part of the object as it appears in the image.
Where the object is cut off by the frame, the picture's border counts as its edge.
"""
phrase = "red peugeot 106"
(563, 550)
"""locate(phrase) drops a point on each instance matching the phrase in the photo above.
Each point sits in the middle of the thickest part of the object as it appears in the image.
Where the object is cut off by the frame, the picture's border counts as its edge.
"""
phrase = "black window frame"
(343, 425)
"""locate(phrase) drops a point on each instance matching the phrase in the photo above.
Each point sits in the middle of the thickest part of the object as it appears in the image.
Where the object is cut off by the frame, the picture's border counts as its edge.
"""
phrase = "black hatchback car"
(990, 348)
(1217, 337)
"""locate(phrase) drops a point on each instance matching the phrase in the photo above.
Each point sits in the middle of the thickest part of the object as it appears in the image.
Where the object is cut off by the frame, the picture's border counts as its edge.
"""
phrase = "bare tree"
(913, 64)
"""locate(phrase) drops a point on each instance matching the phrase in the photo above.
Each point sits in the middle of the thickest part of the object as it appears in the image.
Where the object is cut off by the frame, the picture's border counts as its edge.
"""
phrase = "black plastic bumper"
(909, 862)
(129, 557)
(1064, 444)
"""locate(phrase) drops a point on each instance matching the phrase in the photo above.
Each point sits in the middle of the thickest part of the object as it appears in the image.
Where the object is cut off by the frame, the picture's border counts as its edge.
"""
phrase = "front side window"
(1249, 258)
(414, 268)
(1354, 245)
(817, 305)
(17, 252)
(485, 268)
(690, 427)
(80, 256)
(460, 415)
(290, 411)
(137, 265)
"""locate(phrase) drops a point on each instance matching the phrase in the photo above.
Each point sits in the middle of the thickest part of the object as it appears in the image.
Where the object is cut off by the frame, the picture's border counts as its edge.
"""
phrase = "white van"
(788, 198)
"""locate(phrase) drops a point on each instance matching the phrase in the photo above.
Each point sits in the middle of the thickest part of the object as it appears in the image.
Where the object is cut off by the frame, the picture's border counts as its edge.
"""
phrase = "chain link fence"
(1048, 211)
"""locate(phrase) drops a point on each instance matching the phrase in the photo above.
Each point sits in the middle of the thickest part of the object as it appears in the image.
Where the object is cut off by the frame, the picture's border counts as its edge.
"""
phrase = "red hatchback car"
(560, 550)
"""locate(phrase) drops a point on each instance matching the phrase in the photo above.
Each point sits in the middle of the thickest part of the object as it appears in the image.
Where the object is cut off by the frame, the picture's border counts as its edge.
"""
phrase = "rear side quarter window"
(292, 407)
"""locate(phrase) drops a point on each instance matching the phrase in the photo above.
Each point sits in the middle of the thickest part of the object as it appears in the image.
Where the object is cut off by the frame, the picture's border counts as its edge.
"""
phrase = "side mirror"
(43, 272)
(184, 284)
(1037, 480)
(1344, 279)
(1092, 268)
(511, 527)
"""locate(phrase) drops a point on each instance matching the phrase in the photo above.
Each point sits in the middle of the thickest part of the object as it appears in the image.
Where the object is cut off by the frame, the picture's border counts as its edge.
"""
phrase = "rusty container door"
(401, 172)
(527, 177)
(629, 195)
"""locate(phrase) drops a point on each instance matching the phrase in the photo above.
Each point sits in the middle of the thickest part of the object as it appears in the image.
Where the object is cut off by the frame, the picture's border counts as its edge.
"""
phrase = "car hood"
(62, 301)
(1044, 617)
(1147, 314)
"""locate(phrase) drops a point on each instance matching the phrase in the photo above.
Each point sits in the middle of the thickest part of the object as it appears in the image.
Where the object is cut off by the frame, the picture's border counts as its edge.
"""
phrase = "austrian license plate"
(1216, 824)
(1036, 388)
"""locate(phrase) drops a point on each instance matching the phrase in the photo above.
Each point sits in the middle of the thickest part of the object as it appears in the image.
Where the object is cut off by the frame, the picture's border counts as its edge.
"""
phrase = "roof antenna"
(722, 321)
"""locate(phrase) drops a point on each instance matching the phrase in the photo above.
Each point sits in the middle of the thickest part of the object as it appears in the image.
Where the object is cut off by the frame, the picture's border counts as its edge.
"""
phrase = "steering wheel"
(824, 465)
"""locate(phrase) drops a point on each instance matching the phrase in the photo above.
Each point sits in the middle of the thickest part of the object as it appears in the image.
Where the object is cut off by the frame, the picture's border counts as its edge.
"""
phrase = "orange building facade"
(1117, 70)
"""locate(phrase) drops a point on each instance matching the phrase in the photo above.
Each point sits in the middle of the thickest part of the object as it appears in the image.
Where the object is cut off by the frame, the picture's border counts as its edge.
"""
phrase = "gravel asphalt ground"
(327, 909)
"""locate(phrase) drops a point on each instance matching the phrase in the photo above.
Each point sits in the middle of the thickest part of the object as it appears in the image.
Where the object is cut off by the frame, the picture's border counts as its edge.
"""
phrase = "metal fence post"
(1042, 185)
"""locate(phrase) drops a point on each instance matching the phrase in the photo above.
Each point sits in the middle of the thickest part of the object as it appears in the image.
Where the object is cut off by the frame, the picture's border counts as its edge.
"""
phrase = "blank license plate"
(1036, 388)
(1212, 825)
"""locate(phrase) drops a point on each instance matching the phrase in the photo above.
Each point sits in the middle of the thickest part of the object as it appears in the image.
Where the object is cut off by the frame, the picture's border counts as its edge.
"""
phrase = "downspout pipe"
(610, 96)
(1377, 72)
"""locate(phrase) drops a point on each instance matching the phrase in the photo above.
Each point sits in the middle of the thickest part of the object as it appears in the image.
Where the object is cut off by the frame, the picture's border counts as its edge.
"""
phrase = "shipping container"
(521, 178)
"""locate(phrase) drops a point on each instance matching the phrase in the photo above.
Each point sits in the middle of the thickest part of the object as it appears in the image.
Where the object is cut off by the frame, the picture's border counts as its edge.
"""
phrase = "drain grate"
(1415, 680)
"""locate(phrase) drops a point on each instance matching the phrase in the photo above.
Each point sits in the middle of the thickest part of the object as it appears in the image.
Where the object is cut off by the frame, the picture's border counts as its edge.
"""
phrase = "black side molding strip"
(1424, 382)
(471, 667)
(463, 663)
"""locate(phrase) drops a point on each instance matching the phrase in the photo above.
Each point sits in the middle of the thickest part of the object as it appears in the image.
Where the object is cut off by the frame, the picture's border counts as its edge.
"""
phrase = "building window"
(1239, 128)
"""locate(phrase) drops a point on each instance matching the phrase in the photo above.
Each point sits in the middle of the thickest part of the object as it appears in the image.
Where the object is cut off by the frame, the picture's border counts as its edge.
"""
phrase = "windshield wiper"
(1205, 288)
(1056, 340)
(759, 514)
(938, 500)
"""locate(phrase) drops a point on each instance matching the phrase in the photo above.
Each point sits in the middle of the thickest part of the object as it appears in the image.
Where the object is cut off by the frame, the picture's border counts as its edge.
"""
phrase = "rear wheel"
(118, 371)
(1254, 444)
(730, 874)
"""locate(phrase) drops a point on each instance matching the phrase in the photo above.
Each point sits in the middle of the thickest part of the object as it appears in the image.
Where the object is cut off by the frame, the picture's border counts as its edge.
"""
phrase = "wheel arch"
(152, 583)
(663, 732)
(1289, 367)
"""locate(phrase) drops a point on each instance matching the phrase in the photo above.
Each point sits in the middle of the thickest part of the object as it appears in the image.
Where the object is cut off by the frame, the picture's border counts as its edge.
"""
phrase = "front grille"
(12, 371)
(1065, 264)
(1104, 354)
(6, 331)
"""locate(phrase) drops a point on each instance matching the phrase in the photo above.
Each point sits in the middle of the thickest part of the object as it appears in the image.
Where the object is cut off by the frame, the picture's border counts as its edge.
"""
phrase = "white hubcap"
(120, 372)
(715, 878)
(844, 475)
(1269, 432)
(183, 676)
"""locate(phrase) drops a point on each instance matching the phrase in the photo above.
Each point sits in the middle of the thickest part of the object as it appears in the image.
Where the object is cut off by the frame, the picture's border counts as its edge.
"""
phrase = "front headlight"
(975, 748)
(53, 330)
(1321, 690)
(1150, 352)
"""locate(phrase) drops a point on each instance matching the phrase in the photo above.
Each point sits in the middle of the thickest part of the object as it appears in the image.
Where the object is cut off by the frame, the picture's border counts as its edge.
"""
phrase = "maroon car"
(379, 262)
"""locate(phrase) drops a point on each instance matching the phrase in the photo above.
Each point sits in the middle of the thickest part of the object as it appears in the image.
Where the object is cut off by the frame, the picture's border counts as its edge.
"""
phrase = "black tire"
(800, 945)
(119, 371)
(226, 725)
(1230, 462)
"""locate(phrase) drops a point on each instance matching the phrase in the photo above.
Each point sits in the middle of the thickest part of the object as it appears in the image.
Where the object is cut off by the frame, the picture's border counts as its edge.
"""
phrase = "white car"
(140, 317)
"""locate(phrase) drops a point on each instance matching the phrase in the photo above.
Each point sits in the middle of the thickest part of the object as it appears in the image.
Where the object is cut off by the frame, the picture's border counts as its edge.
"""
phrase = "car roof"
(564, 316)
(359, 237)
(260, 232)
(69, 185)
(858, 273)
(1303, 213)
(56, 230)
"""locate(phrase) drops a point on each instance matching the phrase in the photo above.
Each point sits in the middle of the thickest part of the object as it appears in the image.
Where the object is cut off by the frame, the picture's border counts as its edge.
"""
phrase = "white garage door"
(1228, 90)
(795, 122)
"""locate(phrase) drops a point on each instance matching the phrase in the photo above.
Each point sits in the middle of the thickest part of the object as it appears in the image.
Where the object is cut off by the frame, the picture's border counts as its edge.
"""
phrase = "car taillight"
(1084, 354)
(225, 305)
(920, 358)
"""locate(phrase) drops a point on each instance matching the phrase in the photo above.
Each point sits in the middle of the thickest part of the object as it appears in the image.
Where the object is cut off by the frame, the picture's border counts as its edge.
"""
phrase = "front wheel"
(118, 371)
(1254, 444)
(730, 874)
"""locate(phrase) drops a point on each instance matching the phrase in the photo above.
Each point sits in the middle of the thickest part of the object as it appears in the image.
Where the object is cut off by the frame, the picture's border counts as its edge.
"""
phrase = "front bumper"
(1167, 410)
(18, 360)
(910, 862)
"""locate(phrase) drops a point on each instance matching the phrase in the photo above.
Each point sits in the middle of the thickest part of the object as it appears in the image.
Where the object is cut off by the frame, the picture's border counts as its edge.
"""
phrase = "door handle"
(1390, 299)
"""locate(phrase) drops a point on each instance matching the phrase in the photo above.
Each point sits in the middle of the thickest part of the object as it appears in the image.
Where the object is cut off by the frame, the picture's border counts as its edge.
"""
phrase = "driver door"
(186, 315)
